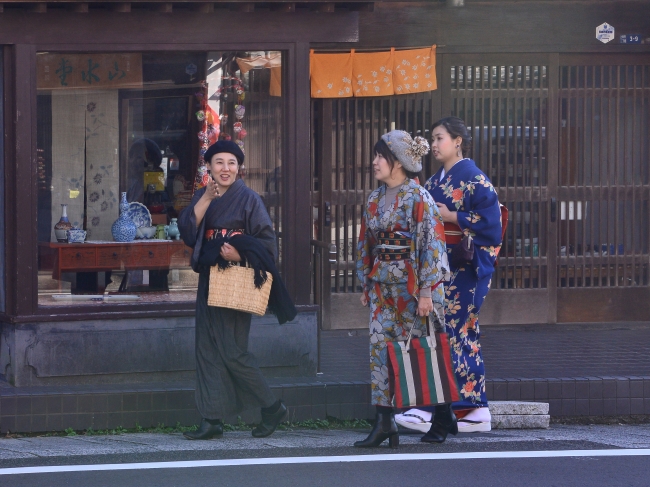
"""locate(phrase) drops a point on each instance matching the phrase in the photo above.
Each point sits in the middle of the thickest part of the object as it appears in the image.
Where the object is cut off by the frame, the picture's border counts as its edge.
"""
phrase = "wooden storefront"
(561, 124)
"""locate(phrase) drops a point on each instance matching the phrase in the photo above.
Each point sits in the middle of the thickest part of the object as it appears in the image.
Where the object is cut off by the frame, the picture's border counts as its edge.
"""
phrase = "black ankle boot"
(443, 423)
(206, 431)
(270, 421)
(385, 428)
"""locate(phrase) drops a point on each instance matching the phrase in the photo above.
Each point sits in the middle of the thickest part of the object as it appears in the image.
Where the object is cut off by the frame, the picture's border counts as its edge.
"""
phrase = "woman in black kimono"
(227, 375)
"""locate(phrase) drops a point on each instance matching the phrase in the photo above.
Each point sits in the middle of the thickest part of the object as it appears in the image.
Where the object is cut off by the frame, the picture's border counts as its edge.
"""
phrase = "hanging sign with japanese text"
(66, 71)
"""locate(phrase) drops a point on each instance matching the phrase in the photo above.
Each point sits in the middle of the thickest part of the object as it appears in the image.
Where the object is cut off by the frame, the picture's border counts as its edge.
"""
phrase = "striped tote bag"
(421, 372)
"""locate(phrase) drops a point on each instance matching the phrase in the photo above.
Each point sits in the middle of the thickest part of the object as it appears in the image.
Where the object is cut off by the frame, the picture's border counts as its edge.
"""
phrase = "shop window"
(2, 185)
(136, 124)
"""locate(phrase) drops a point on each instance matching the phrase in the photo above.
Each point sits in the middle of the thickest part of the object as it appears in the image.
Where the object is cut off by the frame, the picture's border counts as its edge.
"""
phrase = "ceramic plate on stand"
(139, 214)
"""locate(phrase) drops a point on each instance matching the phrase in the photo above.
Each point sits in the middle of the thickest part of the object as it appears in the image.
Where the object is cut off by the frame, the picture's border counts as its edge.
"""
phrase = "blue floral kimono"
(393, 286)
(468, 191)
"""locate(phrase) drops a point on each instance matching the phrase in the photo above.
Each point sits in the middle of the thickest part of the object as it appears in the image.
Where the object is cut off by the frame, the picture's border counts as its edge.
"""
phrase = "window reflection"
(137, 124)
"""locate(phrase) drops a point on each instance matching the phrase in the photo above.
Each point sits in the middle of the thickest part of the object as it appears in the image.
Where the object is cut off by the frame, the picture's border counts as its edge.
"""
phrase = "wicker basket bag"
(234, 288)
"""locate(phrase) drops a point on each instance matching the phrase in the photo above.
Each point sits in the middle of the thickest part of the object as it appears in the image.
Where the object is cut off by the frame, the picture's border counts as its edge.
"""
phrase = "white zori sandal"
(415, 419)
(478, 420)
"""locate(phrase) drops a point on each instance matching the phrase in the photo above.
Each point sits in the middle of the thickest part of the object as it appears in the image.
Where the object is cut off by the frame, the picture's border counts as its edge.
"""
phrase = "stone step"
(521, 408)
(520, 421)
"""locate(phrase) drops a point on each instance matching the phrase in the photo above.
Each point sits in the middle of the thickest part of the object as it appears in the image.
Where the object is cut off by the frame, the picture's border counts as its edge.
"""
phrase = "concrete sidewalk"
(597, 371)
(152, 447)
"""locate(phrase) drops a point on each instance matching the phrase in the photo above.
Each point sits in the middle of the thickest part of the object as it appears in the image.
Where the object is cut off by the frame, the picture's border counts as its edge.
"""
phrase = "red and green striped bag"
(421, 371)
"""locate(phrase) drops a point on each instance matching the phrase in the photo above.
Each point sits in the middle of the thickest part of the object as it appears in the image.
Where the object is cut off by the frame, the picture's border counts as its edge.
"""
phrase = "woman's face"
(382, 170)
(443, 147)
(224, 169)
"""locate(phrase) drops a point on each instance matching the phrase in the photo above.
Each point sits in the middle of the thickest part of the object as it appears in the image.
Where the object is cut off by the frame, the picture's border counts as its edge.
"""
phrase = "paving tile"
(541, 390)
(636, 388)
(114, 403)
(85, 403)
(39, 405)
(54, 422)
(100, 421)
(318, 395)
(609, 406)
(100, 403)
(24, 423)
(39, 423)
(8, 423)
(129, 402)
(595, 389)
(113, 420)
(646, 405)
(129, 419)
(527, 390)
(500, 390)
(54, 404)
(582, 388)
(144, 401)
(568, 389)
(301, 413)
(319, 411)
(582, 407)
(555, 407)
(622, 388)
(334, 394)
(347, 411)
(636, 405)
(8, 406)
(609, 388)
(290, 396)
(84, 421)
(23, 405)
(489, 389)
(334, 410)
(569, 407)
(554, 389)
(623, 406)
(514, 390)
(69, 421)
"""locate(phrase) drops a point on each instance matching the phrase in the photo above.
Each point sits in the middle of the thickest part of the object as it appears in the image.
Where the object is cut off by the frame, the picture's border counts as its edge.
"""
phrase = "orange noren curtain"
(372, 74)
(331, 75)
(415, 71)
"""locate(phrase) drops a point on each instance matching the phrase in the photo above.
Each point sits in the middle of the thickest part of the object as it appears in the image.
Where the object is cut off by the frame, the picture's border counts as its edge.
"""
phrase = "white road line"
(329, 459)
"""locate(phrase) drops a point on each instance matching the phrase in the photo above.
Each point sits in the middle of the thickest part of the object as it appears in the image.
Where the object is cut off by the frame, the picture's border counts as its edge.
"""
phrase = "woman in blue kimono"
(400, 257)
(469, 205)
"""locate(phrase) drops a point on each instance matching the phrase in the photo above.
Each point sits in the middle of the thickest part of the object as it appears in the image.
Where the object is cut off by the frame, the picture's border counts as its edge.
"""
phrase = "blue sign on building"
(631, 39)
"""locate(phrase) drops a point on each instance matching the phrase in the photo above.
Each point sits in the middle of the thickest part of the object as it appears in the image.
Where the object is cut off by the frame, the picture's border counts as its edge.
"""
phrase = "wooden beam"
(122, 7)
(325, 7)
(165, 8)
(204, 8)
(39, 8)
(81, 8)
(283, 7)
(363, 7)
(245, 7)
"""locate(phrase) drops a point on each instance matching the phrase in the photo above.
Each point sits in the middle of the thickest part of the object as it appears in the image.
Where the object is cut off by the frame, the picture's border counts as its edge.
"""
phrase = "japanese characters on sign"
(605, 33)
(631, 39)
(66, 71)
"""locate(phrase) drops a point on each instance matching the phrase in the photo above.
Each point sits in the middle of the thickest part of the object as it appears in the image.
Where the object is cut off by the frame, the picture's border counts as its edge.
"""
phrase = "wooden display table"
(101, 257)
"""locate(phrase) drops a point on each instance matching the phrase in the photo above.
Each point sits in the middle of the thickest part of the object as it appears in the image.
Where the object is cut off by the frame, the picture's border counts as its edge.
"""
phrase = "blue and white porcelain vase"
(124, 228)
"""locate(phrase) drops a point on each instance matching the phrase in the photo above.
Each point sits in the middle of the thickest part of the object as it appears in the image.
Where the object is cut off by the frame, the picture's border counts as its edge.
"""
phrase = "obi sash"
(392, 246)
(213, 233)
(453, 233)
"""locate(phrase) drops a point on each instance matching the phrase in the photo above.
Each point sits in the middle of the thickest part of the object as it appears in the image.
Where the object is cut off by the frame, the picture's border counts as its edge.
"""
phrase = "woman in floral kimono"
(400, 257)
(469, 206)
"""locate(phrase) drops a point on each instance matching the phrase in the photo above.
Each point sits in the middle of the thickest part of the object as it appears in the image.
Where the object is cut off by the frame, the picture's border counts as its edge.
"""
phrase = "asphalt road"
(307, 459)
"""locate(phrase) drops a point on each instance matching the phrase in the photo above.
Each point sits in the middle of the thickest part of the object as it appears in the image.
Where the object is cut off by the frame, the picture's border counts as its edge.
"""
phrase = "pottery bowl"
(76, 235)
(147, 232)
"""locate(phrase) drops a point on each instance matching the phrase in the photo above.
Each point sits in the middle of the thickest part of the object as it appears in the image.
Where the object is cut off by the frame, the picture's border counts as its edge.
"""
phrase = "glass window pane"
(137, 124)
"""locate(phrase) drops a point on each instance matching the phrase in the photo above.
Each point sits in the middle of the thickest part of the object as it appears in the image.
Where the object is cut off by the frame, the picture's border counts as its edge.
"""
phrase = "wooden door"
(603, 187)
(344, 134)
(505, 101)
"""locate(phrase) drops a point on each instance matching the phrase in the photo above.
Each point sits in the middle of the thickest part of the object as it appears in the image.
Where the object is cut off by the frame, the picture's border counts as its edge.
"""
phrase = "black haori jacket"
(240, 208)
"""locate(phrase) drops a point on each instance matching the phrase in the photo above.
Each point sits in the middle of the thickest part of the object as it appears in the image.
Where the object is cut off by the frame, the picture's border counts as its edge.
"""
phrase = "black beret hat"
(224, 146)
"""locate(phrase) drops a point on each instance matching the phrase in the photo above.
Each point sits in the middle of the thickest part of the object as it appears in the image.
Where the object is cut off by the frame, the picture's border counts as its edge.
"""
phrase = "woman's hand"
(447, 215)
(211, 190)
(425, 306)
(229, 253)
(364, 299)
